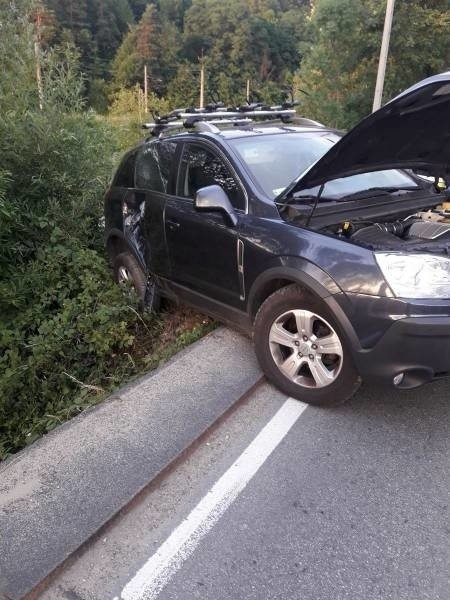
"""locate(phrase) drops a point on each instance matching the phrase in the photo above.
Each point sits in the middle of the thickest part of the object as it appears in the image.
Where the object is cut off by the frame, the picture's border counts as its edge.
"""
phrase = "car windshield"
(275, 160)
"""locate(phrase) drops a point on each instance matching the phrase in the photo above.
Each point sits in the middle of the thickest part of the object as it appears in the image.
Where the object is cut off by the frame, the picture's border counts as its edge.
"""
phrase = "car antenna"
(316, 202)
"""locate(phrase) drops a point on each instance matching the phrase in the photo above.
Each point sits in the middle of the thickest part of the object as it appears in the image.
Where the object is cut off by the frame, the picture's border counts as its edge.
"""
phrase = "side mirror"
(213, 199)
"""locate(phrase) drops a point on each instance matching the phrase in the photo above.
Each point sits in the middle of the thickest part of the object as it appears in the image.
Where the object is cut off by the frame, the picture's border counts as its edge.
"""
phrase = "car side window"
(201, 167)
(153, 165)
(125, 173)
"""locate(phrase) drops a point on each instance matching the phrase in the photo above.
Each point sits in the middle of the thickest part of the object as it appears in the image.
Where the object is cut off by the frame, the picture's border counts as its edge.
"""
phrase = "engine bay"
(416, 231)
(426, 229)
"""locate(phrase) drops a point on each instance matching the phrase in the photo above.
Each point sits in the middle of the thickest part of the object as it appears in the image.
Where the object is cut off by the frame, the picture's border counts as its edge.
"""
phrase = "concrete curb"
(56, 494)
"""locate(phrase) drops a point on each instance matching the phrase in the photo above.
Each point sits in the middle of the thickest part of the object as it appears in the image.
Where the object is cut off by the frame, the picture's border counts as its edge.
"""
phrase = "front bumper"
(417, 347)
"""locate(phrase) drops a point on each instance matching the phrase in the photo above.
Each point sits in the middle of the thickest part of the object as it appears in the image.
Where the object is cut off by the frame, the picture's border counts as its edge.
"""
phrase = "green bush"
(69, 336)
(69, 340)
(67, 333)
(58, 165)
(64, 327)
(126, 113)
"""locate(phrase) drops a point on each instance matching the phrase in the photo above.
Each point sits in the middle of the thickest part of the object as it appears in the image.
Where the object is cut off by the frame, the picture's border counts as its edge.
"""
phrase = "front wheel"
(301, 350)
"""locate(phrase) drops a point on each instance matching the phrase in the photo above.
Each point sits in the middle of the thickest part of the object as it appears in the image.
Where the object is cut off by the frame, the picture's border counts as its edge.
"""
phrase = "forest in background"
(324, 52)
(67, 334)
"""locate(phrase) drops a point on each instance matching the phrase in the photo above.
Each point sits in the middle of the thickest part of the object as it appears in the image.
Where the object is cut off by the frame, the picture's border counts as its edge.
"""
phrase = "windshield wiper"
(309, 199)
(377, 191)
(315, 199)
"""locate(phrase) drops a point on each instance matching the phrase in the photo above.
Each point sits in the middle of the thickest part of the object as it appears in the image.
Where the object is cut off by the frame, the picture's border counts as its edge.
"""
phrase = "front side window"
(201, 167)
(153, 165)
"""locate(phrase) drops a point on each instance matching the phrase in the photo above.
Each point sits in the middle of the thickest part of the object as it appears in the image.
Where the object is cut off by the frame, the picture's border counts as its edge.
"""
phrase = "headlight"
(416, 275)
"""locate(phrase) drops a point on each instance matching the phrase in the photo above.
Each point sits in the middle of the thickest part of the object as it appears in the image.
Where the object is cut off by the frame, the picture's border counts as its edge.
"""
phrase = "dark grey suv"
(328, 249)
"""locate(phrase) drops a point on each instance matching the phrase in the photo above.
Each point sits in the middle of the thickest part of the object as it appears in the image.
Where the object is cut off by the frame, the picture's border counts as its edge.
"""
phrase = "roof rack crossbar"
(274, 114)
(189, 119)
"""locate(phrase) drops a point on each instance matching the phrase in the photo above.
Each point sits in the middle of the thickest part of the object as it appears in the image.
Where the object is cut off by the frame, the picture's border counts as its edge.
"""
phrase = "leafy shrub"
(73, 337)
(70, 336)
(67, 333)
(126, 113)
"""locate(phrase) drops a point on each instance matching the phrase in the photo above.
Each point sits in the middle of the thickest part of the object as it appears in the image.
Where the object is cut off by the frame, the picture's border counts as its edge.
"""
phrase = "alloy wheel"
(306, 348)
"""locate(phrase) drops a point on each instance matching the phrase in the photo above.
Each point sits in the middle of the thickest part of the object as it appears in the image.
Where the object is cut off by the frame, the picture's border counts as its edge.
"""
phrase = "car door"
(203, 248)
(154, 166)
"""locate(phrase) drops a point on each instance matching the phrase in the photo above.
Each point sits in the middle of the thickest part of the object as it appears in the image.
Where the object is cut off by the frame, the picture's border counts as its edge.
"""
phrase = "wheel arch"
(307, 275)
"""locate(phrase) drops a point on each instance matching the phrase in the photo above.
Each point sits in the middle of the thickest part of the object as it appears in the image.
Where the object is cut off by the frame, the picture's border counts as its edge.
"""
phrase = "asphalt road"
(352, 503)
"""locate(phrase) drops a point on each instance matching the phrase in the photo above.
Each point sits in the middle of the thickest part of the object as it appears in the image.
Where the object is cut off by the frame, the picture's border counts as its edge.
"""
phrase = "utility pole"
(145, 90)
(383, 55)
(247, 94)
(37, 53)
(202, 81)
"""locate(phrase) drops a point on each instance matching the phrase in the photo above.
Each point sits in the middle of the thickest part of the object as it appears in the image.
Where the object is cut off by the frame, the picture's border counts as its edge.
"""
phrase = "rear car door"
(153, 177)
(203, 247)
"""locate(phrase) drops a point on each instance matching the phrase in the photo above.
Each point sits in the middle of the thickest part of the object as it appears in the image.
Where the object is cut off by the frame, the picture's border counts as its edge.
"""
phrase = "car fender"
(297, 270)
(315, 280)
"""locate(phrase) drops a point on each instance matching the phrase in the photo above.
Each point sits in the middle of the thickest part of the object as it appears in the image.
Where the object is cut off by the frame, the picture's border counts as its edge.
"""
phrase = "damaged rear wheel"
(129, 275)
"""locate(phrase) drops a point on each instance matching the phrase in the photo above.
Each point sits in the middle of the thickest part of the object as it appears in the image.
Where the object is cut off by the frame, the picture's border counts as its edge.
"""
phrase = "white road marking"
(162, 566)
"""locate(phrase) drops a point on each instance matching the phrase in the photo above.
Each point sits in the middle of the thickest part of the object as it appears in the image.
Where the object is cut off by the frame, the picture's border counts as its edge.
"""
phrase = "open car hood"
(412, 131)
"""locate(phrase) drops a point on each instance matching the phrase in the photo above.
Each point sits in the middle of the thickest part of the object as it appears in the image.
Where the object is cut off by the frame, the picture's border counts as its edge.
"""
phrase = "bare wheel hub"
(306, 348)
(124, 277)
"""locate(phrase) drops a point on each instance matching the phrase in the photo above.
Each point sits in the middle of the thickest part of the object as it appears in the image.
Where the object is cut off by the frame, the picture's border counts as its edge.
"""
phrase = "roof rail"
(208, 119)
(307, 122)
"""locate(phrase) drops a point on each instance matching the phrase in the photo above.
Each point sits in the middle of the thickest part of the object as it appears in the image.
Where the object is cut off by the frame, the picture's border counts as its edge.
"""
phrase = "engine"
(433, 224)
(423, 228)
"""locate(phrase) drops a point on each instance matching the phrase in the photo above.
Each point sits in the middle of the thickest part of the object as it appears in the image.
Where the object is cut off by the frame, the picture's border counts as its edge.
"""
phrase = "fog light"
(398, 379)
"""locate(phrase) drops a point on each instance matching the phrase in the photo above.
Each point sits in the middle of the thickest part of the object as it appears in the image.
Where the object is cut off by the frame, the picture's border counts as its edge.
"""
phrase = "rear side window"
(153, 165)
(125, 173)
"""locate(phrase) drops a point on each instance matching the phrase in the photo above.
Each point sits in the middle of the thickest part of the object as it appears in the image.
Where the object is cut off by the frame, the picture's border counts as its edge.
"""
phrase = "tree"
(112, 19)
(183, 89)
(141, 46)
(96, 28)
(339, 69)
(245, 40)
(18, 88)
(420, 43)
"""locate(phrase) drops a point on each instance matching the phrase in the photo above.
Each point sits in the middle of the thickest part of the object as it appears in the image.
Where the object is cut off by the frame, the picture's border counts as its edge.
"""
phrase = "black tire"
(145, 289)
(293, 297)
